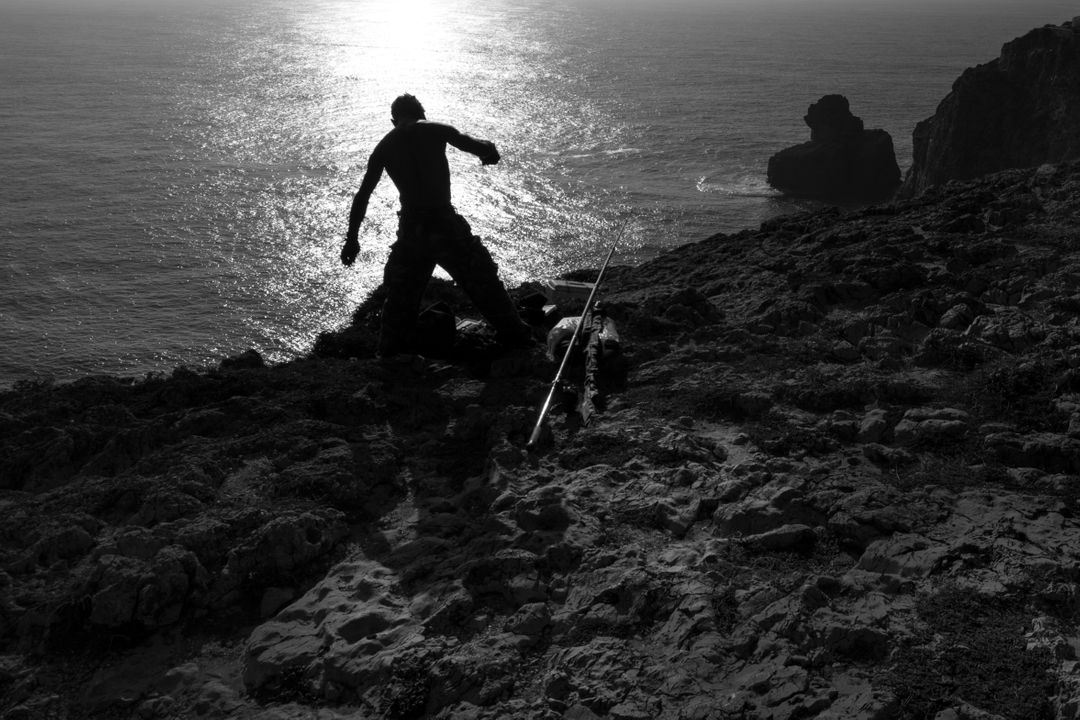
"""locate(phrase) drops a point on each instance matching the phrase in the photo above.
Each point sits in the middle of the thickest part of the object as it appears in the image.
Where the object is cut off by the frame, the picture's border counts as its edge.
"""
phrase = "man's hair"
(406, 106)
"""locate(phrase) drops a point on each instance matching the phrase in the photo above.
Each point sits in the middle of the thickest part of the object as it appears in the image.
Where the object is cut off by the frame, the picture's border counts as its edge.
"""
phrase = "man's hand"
(349, 251)
(491, 157)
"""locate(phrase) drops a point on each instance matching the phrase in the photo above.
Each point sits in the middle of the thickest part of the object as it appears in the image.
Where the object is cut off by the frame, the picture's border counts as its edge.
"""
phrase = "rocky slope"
(841, 481)
(1019, 110)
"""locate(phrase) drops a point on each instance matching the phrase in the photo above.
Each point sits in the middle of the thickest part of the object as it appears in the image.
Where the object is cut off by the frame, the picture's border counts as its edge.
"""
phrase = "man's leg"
(405, 277)
(466, 259)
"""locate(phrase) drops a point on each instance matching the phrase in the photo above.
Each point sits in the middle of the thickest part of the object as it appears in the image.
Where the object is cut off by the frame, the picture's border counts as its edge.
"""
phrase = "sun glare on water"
(393, 47)
(379, 49)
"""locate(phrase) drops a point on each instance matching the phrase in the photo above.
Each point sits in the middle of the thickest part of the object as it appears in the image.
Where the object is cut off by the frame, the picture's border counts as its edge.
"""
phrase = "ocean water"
(175, 174)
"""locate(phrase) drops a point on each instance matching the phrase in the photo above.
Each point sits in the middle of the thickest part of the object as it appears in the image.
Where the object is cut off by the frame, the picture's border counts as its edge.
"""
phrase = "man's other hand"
(349, 251)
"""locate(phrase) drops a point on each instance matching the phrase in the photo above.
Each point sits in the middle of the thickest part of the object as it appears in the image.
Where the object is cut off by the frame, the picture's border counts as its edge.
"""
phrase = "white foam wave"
(737, 187)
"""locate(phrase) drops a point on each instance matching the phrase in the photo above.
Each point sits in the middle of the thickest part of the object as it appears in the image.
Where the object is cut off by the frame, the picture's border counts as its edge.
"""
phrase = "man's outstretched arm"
(483, 149)
(359, 210)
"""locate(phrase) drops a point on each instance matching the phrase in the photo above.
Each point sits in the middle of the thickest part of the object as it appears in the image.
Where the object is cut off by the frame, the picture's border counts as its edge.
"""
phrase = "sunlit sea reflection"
(285, 129)
(178, 173)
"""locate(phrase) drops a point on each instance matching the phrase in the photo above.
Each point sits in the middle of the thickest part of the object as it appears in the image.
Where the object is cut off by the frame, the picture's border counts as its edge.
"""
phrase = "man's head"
(406, 107)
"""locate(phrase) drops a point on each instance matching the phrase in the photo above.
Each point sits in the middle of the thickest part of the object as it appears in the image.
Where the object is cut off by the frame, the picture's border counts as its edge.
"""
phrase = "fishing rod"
(534, 438)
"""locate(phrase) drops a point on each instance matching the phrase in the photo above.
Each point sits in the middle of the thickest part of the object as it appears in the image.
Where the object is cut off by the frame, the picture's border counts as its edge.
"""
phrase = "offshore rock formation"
(1019, 110)
(842, 482)
(841, 163)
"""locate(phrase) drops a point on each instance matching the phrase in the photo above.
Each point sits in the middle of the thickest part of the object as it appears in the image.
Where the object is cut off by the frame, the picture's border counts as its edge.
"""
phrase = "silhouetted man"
(430, 232)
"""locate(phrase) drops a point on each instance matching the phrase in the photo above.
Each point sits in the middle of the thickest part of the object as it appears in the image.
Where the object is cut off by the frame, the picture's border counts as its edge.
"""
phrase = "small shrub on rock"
(1020, 394)
(778, 436)
(973, 651)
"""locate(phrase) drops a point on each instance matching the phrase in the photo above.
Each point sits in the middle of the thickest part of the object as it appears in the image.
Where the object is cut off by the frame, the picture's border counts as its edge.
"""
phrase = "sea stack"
(842, 162)
(1020, 110)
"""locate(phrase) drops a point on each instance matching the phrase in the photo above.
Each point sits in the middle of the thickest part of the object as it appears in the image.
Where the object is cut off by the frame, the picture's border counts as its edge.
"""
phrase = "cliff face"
(1020, 110)
(842, 481)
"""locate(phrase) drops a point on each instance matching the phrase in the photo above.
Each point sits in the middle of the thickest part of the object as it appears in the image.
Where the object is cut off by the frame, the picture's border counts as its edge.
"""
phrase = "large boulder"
(842, 162)
(1020, 110)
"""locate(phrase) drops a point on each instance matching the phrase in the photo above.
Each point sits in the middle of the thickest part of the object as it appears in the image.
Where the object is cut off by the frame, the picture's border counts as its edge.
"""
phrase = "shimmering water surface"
(176, 174)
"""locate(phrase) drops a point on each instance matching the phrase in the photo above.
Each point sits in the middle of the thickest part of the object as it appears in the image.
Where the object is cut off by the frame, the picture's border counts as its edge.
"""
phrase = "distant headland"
(1019, 110)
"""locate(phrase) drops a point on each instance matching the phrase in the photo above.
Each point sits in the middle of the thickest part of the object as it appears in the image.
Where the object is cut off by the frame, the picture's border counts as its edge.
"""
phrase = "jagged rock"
(842, 162)
(151, 594)
(1067, 700)
(347, 629)
(1010, 332)
(580, 712)
(543, 509)
(798, 538)
(874, 426)
(530, 620)
(1019, 110)
(165, 505)
(208, 422)
(678, 447)
(949, 348)
(904, 554)
(768, 509)
(966, 711)
(931, 425)
(958, 317)
(274, 599)
(336, 473)
(248, 360)
(175, 574)
(283, 548)
(65, 544)
(1048, 451)
(840, 636)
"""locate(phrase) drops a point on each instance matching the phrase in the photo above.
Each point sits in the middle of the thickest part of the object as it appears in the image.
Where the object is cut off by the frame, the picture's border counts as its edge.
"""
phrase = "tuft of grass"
(405, 696)
(779, 437)
(956, 471)
(973, 650)
(1018, 393)
(822, 394)
(720, 404)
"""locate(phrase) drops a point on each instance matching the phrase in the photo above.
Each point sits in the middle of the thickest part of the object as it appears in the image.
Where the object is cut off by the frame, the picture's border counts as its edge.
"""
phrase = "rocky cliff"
(1020, 110)
(841, 481)
(842, 162)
